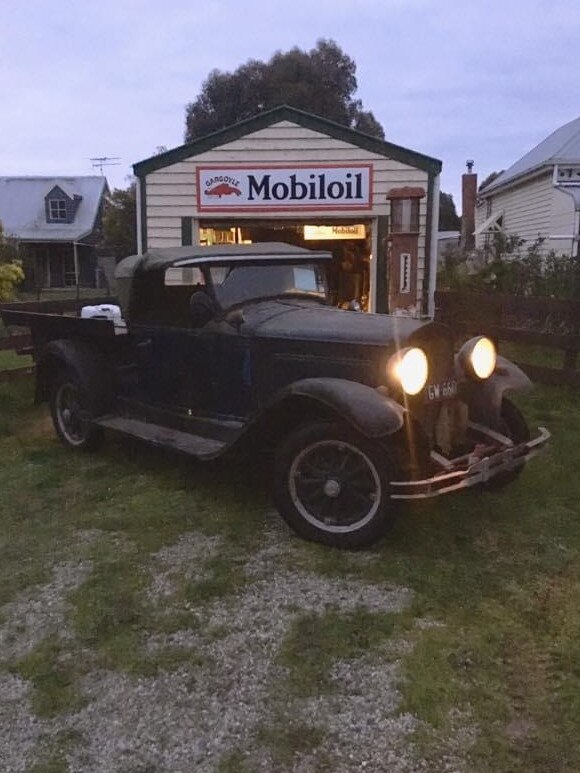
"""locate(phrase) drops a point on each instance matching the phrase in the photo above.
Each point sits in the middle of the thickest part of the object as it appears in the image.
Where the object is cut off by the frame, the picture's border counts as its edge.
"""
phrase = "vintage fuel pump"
(402, 260)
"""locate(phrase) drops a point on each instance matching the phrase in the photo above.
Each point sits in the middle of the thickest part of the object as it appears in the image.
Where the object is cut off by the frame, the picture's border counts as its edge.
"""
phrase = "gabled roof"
(561, 147)
(299, 117)
(23, 212)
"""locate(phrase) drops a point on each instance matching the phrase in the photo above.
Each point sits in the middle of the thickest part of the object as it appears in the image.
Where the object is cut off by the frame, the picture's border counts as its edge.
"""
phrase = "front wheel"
(72, 410)
(331, 485)
(514, 426)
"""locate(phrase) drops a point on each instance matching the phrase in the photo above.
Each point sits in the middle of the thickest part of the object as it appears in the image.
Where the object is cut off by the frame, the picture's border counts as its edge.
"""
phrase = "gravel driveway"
(210, 714)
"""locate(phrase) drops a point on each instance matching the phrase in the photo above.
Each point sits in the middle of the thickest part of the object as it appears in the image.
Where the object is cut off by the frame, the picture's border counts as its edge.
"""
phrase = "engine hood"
(308, 320)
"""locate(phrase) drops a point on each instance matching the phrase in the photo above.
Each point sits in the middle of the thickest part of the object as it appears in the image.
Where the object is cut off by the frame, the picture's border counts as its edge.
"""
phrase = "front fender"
(484, 397)
(369, 411)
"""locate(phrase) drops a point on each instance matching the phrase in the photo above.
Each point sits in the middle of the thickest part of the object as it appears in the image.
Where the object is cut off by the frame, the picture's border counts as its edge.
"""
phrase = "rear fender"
(484, 398)
(370, 412)
(84, 360)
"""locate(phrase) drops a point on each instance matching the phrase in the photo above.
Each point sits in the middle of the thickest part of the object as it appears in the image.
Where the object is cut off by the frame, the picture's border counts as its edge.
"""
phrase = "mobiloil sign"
(281, 188)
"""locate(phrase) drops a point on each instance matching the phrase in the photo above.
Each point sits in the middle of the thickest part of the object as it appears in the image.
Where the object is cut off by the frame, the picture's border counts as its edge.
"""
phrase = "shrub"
(512, 267)
(11, 272)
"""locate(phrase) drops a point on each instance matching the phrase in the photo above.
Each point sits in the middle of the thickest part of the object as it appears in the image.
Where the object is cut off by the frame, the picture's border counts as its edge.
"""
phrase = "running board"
(154, 434)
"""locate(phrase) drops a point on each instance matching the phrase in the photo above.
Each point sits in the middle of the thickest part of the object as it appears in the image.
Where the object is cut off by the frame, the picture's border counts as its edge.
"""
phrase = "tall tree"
(449, 220)
(320, 81)
(120, 222)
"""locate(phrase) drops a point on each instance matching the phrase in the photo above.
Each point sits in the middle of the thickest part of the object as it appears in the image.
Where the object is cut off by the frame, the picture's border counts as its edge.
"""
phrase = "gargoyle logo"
(223, 189)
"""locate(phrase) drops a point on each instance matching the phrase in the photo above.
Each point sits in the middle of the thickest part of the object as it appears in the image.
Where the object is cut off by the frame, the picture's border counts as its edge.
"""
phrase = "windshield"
(239, 284)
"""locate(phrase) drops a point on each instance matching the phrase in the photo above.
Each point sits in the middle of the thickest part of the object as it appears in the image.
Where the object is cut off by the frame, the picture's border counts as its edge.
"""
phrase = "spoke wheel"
(331, 485)
(73, 418)
(72, 415)
(334, 485)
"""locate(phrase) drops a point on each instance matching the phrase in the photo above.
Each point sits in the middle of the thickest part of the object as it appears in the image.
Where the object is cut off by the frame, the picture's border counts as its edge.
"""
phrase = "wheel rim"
(335, 486)
(72, 416)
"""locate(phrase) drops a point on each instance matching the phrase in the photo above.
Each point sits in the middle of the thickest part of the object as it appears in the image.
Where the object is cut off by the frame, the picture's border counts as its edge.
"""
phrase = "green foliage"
(320, 81)
(11, 273)
(514, 267)
(489, 179)
(120, 222)
(449, 220)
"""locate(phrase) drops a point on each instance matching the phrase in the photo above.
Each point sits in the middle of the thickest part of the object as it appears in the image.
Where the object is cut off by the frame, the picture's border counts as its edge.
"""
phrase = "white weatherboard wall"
(171, 192)
(527, 208)
(563, 223)
(533, 209)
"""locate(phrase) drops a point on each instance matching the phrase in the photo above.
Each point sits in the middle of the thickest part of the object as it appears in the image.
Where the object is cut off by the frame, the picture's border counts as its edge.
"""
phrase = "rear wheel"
(332, 485)
(72, 409)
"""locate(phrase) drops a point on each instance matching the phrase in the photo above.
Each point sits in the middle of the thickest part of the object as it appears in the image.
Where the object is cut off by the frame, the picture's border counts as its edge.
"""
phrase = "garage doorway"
(349, 241)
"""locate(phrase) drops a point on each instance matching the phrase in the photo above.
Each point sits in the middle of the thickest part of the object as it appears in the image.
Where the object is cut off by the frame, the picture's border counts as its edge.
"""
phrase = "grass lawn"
(9, 360)
(492, 629)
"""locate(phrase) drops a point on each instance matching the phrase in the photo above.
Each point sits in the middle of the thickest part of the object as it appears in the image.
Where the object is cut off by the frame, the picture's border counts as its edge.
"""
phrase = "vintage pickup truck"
(236, 347)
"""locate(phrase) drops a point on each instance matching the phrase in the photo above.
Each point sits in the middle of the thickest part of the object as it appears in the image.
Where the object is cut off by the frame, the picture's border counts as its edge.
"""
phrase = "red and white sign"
(284, 188)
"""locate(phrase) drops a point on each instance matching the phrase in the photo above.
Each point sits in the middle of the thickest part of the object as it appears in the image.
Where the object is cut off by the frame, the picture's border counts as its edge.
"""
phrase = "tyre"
(331, 485)
(514, 426)
(72, 407)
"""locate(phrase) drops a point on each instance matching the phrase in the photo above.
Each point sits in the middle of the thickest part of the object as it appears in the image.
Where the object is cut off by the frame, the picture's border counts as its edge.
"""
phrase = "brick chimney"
(468, 197)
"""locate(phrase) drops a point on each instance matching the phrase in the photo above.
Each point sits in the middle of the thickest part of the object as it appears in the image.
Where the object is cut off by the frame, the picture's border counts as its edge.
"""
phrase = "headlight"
(478, 357)
(408, 368)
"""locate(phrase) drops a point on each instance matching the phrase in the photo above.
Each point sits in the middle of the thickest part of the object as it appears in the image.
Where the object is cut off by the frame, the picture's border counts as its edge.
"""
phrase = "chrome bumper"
(466, 471)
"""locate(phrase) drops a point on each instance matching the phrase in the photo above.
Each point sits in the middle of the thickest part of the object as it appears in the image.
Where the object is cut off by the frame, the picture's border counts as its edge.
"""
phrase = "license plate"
(441, 391)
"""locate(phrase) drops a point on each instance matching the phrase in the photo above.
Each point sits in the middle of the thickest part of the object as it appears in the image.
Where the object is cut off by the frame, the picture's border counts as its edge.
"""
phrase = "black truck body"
(235, 347)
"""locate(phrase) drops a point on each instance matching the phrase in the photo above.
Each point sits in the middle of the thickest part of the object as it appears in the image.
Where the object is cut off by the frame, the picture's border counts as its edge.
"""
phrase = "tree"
(489, 179)
(320, 81)
(120, 222)
(11, 273)
(449, 220)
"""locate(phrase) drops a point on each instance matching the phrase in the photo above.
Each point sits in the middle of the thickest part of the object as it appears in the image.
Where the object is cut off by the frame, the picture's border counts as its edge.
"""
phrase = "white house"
(289, 176)
(538, 196)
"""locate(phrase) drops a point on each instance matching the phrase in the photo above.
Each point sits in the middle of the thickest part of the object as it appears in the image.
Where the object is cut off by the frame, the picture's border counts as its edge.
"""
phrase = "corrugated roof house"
(57, 220)
(538, 196)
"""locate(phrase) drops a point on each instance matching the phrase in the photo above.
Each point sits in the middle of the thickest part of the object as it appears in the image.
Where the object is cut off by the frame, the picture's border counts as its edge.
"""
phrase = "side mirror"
(202, 309)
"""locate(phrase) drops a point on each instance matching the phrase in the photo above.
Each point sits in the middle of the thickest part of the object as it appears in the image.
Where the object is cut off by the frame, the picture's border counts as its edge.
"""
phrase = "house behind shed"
(538, 197)
(57, 224)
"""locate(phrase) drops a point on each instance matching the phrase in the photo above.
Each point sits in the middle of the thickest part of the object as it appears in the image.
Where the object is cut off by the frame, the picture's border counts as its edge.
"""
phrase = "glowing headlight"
(409, 369)
(478, 357)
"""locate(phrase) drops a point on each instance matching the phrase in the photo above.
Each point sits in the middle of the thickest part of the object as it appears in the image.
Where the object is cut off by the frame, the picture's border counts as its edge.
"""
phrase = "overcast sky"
(454, 79)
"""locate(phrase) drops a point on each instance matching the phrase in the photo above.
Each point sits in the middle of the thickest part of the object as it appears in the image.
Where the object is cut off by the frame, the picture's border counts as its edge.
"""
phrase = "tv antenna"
(101, 161)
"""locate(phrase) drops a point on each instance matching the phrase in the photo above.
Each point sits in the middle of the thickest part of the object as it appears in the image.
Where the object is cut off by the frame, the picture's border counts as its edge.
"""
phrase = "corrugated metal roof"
(561, 147)
(23, 213)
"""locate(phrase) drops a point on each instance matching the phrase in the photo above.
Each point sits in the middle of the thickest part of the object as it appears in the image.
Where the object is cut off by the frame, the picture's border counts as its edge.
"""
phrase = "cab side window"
(164, 296)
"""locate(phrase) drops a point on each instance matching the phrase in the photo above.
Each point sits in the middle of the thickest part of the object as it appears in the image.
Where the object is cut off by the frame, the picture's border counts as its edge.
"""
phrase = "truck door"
(173, 358)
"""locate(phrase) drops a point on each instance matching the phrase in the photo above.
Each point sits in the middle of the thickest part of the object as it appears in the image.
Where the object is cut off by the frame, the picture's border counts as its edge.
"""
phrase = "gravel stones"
(194, 716)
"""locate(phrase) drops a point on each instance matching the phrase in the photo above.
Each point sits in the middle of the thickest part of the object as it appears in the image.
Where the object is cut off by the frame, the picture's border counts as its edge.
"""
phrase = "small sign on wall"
(334, 232)
(405, 273)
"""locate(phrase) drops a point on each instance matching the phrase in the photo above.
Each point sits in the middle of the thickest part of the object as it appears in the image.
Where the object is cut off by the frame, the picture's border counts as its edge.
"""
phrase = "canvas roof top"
(23, 213)
(561, 147)
(160, 258)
